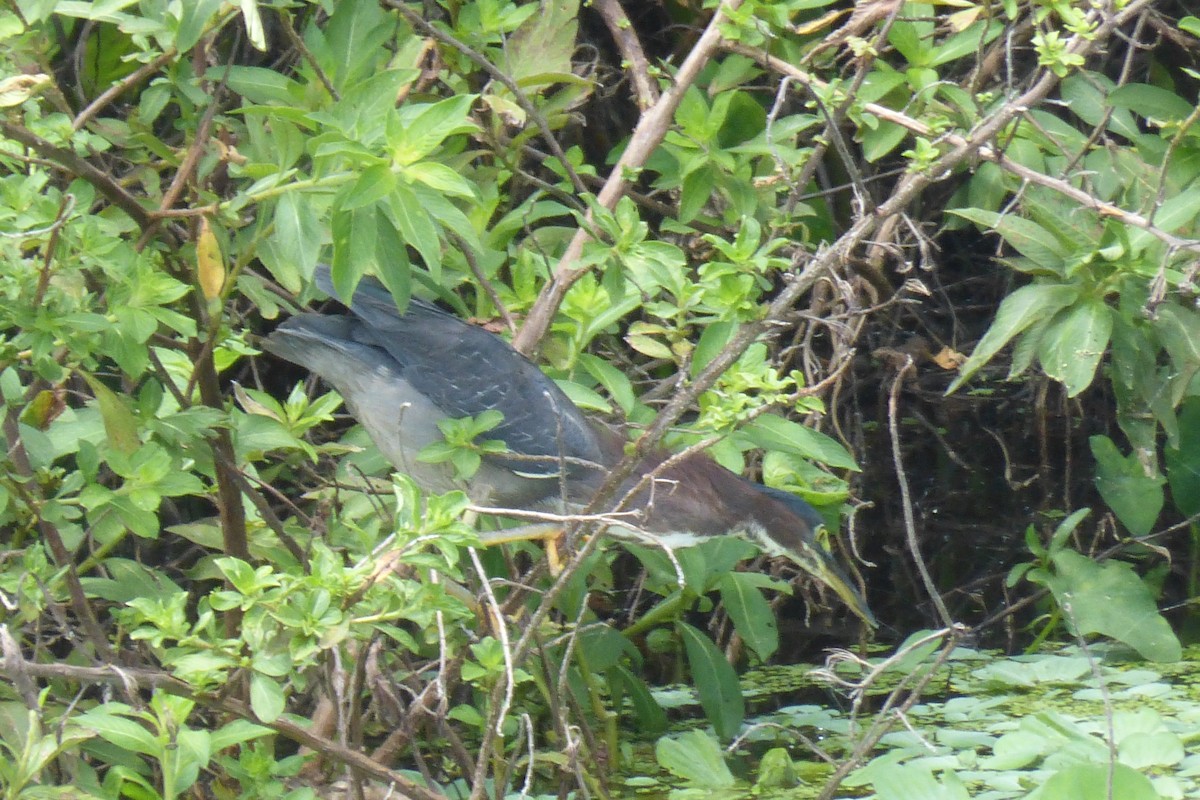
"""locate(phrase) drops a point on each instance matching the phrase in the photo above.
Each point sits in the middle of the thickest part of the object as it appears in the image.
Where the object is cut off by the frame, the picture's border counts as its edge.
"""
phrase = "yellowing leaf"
(44, 408)
(210, 267)
(19, 88)
(961, 20)
(949, 359)
(823, 21)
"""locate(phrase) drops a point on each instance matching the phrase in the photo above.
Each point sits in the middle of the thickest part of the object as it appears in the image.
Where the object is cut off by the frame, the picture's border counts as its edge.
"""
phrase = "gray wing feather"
(465, 370)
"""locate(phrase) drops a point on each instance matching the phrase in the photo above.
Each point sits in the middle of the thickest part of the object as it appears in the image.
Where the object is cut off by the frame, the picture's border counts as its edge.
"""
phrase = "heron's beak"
(821, 566)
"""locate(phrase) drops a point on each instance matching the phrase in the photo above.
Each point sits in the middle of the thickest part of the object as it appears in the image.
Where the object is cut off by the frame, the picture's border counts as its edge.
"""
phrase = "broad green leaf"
(1016, 313)
(1025, 236)
(1086, 95)
(266, 697)
(1074, 343)
(421, 134)
(394, 269)
(696, 757)
(650, 715)
(441, 178)
(297, 238)
(374, 183)
(120, 425)
(415, 227)
(1092, 782)
(603, 647)
(697, 189)
(1142, 750)
(776, 433)
(259, 85)
(1016, 750)
(544, 43)
(1135, 497)
(355, 38)
(354, 253)
(751, 613)
(121, 731)
(614, 381)
(1151, 102)
(881, 140)
(969, 40)
(1034, 670)
(1183, 462)
(712, 341)
(1111, 600)
(716, 682)
(776, 771)
(1179, 330)
(914, 782)
(1173, 216)
(193, 20)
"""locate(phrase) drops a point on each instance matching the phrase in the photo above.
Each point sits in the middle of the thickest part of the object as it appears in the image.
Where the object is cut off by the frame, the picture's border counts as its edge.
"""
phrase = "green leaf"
(1074, 343)
(716, 682)
(1176, 212)
(1110, 599)
(1092, 781)
(1016, 313)
(1025, 236)
(266, 697)
(121, 731)
(297, 237)
(695, 757)
(1086, 95)
(193, 20)
(120, 425)
(545, 41)
(914, 782)
(1179, 330)
(615, 382)
(776, 771)
(440, 178)
(881, 140)
(751, 613)
(650, 715)
(697, 189)
(1151, 102)
(432, 124)
(374, 183)
(415, 227)
(259, 85)
(354, 254)
(1183, 462)
(1142, 750)
(776, 433)
(1135, 497)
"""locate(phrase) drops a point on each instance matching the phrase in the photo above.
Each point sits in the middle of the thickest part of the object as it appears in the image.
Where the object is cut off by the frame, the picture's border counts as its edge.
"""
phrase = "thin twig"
(625, 38)
(910, 527)
(117, 89)
(650, 130)
(141, 679)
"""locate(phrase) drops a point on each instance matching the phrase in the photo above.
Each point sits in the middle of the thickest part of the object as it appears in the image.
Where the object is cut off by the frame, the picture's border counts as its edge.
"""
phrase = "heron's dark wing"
(464, 370)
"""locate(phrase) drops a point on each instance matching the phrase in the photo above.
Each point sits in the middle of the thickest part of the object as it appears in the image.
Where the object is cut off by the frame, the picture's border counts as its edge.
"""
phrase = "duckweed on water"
(989, 727)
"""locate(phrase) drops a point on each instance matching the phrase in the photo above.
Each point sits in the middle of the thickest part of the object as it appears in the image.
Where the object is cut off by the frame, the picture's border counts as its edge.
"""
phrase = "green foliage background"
(731, 226)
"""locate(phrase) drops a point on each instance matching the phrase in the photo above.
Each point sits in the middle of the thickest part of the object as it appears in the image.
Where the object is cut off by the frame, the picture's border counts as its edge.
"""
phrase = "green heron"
(400, 374)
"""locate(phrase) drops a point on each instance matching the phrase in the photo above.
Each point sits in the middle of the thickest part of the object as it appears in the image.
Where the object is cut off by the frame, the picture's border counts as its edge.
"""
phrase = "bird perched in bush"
(400, 374)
